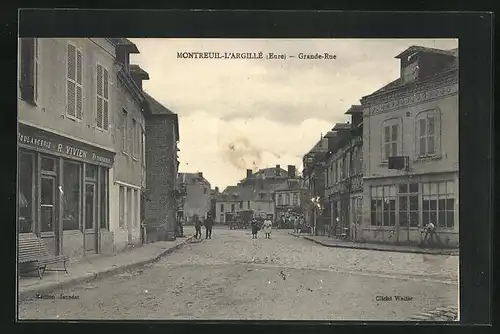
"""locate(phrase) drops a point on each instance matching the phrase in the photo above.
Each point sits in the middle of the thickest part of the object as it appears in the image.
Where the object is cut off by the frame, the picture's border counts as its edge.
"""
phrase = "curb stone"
(415, 251)
(31, 293)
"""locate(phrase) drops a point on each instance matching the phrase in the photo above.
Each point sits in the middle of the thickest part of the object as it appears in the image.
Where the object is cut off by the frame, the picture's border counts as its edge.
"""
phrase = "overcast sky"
(236, 114)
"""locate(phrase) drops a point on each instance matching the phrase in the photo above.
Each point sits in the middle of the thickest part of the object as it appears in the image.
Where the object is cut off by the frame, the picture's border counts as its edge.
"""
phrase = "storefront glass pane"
(90, 212)
(91, 171)
(47, 204)
(414, 187)
(25, 193)
(413, 219)
(450, 187)
(48, 164)
(403, 218)
(104, 200)
(71, 196)
(450, 219)
(413, 202)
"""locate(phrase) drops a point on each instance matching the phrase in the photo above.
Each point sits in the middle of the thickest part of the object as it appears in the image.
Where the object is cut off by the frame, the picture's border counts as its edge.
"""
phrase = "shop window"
(130, 208)
(408, 204)
(91, 172)
(47, 203)
(383, 206)
(48, 164)
(121, 203)
(25, 192)
(438, 204)
(104, 197)
(71, 196)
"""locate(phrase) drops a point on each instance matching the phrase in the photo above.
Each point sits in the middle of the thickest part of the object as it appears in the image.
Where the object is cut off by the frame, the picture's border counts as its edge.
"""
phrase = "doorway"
(49, 229)
(90, 217)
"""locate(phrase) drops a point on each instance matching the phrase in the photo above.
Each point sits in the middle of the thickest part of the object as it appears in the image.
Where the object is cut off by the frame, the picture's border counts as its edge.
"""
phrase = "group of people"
(208, 223)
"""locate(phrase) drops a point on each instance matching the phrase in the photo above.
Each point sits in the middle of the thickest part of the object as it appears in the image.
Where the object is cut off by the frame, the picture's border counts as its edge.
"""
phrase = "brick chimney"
(249, 173)
(200, 174)
(291, 171)
(278, 170)
(216, 190)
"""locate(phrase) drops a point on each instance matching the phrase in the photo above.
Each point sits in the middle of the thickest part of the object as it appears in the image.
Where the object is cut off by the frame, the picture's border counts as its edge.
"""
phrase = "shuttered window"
(74, 82)
(102, 96)
(29, 69)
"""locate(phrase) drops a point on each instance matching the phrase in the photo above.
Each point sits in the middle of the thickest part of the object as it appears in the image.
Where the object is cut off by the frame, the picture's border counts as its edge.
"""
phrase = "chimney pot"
(249, 173)
(291, 171)
(200, 174)
(278, 170)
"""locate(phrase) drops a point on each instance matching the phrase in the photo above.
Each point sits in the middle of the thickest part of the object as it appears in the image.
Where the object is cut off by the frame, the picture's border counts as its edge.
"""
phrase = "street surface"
(235, 277)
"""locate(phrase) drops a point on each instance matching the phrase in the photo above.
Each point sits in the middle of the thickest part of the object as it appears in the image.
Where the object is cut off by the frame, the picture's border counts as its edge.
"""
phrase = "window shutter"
(71, 98)
(71, 62)
(79, 89)
(106, 84)
(99, 101)
(79, 102)
(105, 112)
(27, 79)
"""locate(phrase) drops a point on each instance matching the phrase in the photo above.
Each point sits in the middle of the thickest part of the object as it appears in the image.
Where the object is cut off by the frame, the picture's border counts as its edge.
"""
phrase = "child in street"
(267, 228)
(255, 228)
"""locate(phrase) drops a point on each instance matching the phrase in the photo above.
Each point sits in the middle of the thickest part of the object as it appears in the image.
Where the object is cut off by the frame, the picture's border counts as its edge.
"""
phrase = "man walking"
(197, 226)
(208, 226)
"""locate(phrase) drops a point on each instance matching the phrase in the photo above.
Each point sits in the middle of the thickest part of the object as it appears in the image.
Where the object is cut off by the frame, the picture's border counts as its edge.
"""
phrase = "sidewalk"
(331, 242)
(98, 267)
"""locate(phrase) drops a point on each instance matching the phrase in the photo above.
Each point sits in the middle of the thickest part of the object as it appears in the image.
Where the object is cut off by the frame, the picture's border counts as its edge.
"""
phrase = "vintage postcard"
(238, 179)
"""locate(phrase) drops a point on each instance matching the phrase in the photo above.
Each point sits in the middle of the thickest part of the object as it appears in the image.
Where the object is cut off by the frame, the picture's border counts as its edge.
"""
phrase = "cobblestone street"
(233, 276)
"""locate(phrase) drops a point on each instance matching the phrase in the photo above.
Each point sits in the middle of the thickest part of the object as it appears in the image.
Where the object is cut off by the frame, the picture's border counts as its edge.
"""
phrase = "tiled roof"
(190, 178)
(416, 48)
(137, 69)
(124, 42)
(156, 107)
(269, 172)
(342, 126)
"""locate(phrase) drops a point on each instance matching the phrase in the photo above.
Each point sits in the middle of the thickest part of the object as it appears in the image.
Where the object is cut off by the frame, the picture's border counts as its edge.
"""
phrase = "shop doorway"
(49, 227)
(90, 237)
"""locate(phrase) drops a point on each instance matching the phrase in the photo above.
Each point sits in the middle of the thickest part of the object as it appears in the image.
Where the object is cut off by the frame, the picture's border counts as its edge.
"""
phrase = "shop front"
(63, 190)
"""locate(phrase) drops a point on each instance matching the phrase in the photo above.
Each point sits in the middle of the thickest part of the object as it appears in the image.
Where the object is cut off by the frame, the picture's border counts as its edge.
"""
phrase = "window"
(408, 204)
(241, 205)
(390, 139)
(121, 203)
(25, 192)
(295, 199)
(36, 69)
(133, 136)
(287, 199)
(383, 206)
(438, 204)
(30, 70)
(103, 180)
(130, 208)
(125, 131)
(143, 146)
(222, 208)
(74, 83)
(427, 133)
(248, 204)
(102, 109)
(71, 196)
(359, 209)
(204, 190)
(232, 208)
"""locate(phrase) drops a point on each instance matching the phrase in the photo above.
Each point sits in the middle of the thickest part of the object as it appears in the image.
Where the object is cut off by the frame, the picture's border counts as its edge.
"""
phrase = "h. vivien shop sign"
(43, 141)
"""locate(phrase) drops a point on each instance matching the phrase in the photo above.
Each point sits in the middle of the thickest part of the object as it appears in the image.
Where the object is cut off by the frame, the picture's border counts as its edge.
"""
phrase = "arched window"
(427, 132)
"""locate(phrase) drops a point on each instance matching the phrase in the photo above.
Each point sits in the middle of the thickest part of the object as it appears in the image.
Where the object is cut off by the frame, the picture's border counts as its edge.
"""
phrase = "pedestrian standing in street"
(296, 223)
(197, 226)
(267, 228)
(255, 228)
(209, 223)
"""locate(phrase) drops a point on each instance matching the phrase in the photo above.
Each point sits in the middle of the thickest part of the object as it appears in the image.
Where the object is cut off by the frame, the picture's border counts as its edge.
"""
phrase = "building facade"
(198, 197)
(162, 193)
(343, 177)
(414, 118)
(65, 143)
(127, 175)
(289, 197)
(314, 181)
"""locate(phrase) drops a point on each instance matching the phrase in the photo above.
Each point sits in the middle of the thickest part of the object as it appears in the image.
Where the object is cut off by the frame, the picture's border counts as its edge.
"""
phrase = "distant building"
(255, 192)
(290, 196)
(197, 198)
(343, 176)
(314, 181)
(412, 121)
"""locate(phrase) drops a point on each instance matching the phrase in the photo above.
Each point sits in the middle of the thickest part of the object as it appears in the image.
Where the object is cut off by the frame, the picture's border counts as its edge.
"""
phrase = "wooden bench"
(34, 255)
